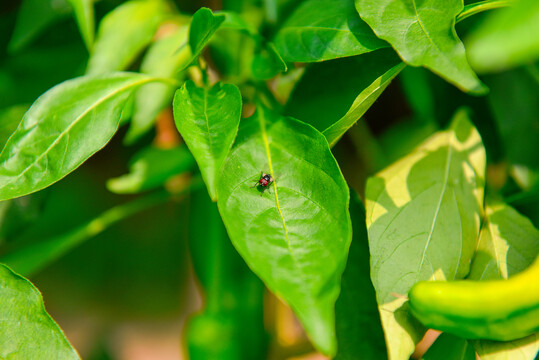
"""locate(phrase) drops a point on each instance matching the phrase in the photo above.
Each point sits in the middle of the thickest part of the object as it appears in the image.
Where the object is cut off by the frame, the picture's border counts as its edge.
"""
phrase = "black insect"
(264, 182)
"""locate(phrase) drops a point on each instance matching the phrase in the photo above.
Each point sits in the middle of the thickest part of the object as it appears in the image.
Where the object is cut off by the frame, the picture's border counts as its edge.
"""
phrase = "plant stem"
(478, 7)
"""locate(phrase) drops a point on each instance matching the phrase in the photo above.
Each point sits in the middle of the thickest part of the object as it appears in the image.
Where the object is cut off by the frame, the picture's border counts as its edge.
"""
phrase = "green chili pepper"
(501, 310)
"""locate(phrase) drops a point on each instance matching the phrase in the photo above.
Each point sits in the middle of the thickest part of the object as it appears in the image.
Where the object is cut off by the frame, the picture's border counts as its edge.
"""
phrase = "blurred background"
(163, 281)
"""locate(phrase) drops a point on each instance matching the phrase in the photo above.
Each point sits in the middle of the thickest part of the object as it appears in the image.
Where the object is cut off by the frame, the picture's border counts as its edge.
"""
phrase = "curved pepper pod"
(500, 310)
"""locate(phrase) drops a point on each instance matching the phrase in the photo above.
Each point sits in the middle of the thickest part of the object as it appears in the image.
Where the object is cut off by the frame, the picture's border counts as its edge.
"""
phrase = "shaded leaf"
(423, 215)
(508, 244)
(35, 16)
(151, 168)
(327, 92)
(323, 30)
(507, 38)
(124, 33)
(450, 347)
(361, 104)
(513, 100)
(84, 14)
(52, 139)
(358, 326)
(27, 331)
(295, 235)
(163, 59)
(267, 63)
(423, 33)
(208, 121)
(32, 258)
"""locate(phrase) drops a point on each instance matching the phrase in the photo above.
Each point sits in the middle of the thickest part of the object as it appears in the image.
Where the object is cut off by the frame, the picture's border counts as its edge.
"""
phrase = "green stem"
(478, 7)
(32, 258)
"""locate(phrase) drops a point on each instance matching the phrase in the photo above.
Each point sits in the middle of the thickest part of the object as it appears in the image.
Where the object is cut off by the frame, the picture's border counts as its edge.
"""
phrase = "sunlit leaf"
(208, 121)
(423, 216)
(27, 331)
(323, 30)
(508, 244)
(124, 33)
(53, 137)
(295, 234)
(423, 33)
(507, 38)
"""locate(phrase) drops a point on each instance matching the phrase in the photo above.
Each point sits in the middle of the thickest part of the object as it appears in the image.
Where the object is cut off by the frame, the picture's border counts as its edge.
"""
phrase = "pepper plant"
(330, 153)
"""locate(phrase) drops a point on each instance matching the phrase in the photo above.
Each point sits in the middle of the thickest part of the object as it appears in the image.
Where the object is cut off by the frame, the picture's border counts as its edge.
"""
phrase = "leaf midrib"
(66, 130)
(439, 205)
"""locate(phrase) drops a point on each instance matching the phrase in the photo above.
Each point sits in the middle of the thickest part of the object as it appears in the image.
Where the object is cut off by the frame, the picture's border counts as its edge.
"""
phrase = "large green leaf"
(164, 60)
(9, 120)
(328, 91)
(35, 16)
(84, 14)
(323, 30)
(508, 244)
(124, 33)
(423, 215)
(506, 38)
(357, 322)
(423, 33)
(26, 330)
(208, 121)
(450, 347)
(295, 235)
(53, 137)
(151, 168)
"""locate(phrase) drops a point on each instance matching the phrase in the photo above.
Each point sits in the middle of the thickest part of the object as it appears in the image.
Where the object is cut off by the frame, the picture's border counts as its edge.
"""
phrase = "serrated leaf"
(84, 14)
(423, 33)
(35, 16)
(450, 347)
(208, 121)
(506, 38)
(356, 311)
(331, 92)
(508, 244)
(151, 168)
(27, 331)
(323, 30)
(295, 235)
(163, 59)
(53, 137)
(124, 33)
(423, 215)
